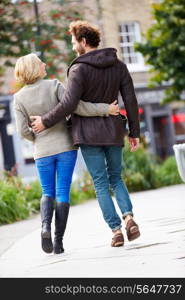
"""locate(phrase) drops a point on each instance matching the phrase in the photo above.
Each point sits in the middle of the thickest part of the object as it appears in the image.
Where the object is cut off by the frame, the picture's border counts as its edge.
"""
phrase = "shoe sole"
(118, 244)
(58, 252)
(47, 245)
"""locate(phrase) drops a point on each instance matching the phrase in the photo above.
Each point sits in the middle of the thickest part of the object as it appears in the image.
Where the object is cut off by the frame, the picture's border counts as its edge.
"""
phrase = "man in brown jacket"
(97, 75)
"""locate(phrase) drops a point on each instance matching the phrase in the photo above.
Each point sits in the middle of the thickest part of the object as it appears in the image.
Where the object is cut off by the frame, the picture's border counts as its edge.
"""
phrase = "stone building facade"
(121, 22)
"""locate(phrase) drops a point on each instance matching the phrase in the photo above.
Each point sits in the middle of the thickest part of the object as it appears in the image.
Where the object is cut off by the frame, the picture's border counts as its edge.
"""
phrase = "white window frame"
(140, 65)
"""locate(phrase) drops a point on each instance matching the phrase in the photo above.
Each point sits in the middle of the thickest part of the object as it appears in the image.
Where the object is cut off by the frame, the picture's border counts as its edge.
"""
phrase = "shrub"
(167, 173)
(143, 170)
(33, 194)
(17, 200)
(138, 169)
(82, 189)
(13, 205)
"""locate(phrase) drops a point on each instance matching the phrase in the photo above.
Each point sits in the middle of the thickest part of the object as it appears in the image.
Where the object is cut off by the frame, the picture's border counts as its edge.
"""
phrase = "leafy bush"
(33, 194)
(17, 200)
(143, 170)
(13, 205)
(167, 173)
(138, 169)
(82, 190)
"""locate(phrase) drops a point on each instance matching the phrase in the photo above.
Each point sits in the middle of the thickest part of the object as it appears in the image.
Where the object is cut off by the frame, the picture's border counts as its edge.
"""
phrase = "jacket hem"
(98, 144)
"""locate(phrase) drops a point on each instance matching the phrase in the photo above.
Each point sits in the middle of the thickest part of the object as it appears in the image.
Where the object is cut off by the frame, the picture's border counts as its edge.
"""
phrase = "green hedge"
(144, 171)
(17, 200)
(167, 173)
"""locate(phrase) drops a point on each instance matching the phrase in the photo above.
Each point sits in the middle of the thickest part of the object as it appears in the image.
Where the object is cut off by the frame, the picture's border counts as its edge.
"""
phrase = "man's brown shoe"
(117, 240)
(132, 230)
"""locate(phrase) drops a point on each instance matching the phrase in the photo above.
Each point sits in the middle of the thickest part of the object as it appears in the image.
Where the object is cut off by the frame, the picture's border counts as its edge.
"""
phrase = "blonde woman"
(54, 153)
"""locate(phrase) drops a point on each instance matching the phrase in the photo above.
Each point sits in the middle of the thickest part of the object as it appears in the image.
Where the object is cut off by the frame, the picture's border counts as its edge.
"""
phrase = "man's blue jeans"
(55, 173)
(104, 163)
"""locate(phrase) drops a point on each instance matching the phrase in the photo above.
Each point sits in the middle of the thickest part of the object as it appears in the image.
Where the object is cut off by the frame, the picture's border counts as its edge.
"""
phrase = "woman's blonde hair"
(27, 69)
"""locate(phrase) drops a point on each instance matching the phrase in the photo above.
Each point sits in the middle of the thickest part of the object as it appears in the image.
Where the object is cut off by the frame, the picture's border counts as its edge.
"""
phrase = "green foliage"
(167, 173)
(164, 47)
(82, 190)
(16, 203)
(21, 33)
(144, 171)
(33, 194)
(138, 169)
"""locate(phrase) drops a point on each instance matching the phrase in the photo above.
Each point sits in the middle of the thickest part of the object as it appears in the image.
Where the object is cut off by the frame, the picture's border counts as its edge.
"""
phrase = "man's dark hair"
(82, 29)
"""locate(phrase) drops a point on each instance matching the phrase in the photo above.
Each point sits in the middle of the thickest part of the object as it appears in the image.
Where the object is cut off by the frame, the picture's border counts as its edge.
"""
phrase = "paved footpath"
(159, 252)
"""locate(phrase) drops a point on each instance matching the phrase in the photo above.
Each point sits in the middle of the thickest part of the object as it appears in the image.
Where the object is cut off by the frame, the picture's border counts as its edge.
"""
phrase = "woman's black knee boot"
(61, 216)
(46, 209)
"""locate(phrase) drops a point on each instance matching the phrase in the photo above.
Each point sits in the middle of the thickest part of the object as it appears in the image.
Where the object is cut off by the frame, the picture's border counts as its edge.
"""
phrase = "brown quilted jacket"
(97, 76)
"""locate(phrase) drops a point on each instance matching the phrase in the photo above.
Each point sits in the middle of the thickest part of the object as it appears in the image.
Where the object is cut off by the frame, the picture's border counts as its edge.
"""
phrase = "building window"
(129, 34)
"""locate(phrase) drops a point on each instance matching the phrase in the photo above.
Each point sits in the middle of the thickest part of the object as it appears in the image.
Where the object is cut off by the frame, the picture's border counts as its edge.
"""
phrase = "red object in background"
(175, 118)
(178, 118)
(164, 121)
(123, 111)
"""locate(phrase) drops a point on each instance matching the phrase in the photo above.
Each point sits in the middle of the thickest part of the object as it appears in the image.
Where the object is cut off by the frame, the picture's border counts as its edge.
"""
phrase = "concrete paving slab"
(159, 252)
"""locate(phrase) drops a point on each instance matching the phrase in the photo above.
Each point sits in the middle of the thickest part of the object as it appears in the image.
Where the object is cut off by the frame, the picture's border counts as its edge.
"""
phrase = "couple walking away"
(42, 108)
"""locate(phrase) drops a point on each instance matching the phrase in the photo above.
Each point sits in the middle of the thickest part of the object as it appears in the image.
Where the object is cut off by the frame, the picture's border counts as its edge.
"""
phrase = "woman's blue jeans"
(55, 173)
(104, 163)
